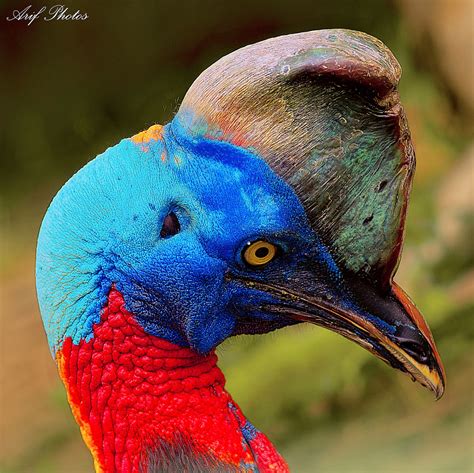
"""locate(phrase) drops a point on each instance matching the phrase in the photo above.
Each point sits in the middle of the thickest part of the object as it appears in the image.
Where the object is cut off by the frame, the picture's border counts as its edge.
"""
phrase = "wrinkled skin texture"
(133, 393)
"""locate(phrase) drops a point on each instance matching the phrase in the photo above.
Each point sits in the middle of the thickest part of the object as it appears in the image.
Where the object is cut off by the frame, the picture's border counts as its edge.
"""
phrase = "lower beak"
(388, 325)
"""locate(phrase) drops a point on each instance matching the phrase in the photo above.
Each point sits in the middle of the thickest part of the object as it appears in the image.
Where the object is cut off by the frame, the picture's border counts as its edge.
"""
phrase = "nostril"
(414, 349)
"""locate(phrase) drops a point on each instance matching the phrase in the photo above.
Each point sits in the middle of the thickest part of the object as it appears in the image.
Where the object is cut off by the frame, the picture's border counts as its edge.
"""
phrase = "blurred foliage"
(71, 90)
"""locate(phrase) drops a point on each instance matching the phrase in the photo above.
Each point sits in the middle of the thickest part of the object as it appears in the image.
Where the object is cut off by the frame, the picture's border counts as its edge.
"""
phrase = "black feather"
(181, 456)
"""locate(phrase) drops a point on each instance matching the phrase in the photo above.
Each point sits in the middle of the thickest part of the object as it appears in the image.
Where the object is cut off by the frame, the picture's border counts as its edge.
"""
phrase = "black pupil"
(261, 252)
(170, 226)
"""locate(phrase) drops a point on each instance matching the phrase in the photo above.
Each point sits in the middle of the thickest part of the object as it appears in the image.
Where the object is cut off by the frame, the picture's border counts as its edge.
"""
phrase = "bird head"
(277, 195)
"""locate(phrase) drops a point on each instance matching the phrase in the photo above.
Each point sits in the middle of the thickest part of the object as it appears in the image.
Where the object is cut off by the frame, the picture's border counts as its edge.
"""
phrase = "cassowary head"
(276, 195)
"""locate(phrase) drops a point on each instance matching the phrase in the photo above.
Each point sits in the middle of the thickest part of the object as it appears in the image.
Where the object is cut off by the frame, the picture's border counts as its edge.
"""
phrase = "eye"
(170, 226)
(259, 253)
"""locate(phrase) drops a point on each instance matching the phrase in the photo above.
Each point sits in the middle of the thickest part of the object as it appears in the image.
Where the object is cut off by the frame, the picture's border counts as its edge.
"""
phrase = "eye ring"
(259, 253)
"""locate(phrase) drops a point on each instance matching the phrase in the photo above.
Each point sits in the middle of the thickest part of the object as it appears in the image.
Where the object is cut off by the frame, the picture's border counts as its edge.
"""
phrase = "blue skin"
(103, 228)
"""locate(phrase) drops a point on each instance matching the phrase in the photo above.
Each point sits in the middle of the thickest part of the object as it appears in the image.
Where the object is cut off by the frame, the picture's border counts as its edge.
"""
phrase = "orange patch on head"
(154, 133)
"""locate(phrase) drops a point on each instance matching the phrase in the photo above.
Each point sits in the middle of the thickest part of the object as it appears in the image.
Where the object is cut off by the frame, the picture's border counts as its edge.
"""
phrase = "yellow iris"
(259, 253)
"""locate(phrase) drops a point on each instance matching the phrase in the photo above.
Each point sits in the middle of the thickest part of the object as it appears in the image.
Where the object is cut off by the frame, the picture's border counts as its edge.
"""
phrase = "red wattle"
(128, 390)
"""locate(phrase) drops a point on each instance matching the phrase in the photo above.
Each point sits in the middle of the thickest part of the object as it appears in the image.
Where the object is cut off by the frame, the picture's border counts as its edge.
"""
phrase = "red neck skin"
(130, 391)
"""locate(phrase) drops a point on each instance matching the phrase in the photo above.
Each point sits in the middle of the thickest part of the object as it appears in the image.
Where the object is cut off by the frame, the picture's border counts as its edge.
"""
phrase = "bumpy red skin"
(128, 389)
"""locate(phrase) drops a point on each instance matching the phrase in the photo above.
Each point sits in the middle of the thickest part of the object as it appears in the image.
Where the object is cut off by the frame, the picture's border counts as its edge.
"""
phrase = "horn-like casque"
(322, 109)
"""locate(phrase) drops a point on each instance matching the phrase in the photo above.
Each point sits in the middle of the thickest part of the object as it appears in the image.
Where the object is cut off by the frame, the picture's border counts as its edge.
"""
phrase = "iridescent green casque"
(323, 110)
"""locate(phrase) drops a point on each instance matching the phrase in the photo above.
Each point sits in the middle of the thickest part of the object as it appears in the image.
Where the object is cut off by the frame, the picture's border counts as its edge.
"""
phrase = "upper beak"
(387, 324)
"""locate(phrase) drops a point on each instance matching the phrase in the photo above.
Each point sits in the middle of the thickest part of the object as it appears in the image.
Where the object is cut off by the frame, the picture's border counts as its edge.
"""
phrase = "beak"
(387, 324)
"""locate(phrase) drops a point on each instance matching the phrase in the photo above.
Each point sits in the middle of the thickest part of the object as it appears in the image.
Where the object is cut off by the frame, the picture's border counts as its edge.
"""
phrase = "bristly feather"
(181, 456)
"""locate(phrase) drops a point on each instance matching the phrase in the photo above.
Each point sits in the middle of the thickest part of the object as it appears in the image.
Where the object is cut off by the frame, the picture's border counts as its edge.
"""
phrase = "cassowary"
(276, 195)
